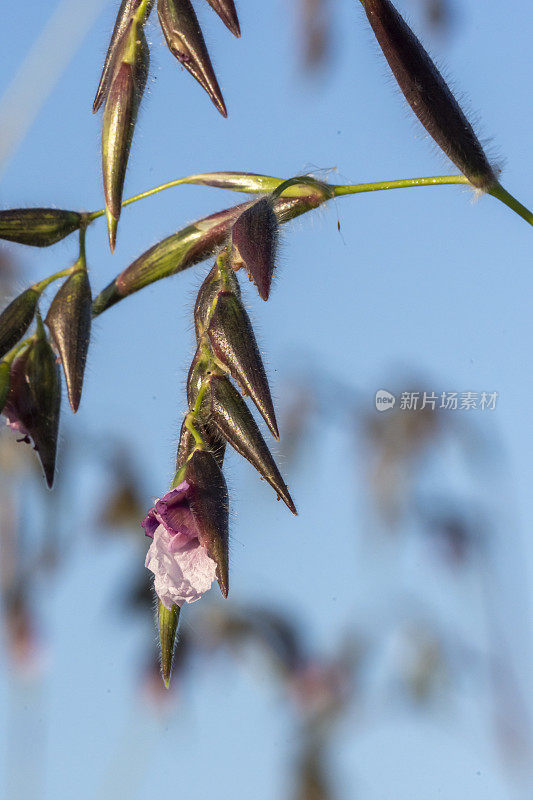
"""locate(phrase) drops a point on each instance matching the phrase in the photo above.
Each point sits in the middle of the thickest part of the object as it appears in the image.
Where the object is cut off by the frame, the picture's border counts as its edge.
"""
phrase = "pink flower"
(182, 567)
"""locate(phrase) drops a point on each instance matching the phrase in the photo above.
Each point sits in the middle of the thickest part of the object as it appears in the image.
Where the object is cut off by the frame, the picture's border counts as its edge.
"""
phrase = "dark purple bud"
(69, 321)
(127, 9)
(227, 13)
(120, 114)
(233, 341)
(235, 422)
(16, 318)
(208, 500)
(34, 400)
(186, 42)
(209, 290)
(39, 227)
(428, 94)
(254, 236)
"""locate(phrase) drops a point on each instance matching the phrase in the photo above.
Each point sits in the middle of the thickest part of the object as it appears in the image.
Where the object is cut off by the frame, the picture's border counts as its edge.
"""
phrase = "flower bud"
(428, 94)
(120, 113)
(39, 227)
(235, 422)
(69, 321)
(126, 10)
(208, 500)
(233, 342)
(34, 400)
(168, 628)
(186, 42)
(254, 238)
(16, 318)
(227, 13)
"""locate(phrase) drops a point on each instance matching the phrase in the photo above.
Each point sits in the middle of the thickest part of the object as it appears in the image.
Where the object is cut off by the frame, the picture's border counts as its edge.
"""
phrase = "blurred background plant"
(380, 645)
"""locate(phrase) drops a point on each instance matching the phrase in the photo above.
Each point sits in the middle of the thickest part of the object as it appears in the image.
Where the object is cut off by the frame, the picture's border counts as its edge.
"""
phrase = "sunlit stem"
(295, 187)
(503, 195)
(41, 285)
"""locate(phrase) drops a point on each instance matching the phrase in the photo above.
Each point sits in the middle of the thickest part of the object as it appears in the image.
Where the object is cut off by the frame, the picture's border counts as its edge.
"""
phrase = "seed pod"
(69, 320)
(254, 237)
(209, 505)
(168, 628)
(207, 294)
(234, 421)
(127, 9)
(16, 318)
(39, 227)
(227, 13)
(233, 341)
(186, 42)
(34, 400)
(195, 243)
(428, 94)
(120, 114)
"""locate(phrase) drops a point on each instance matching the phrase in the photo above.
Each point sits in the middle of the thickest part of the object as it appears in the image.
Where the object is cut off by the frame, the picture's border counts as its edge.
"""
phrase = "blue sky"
(421, 281)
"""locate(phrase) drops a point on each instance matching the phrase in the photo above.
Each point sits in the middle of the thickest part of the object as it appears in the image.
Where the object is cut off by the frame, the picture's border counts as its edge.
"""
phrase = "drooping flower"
(182, 567)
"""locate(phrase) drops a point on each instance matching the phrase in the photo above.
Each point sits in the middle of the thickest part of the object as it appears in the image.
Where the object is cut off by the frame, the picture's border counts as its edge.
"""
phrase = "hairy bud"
(227, 13)
(39, 227)
(16, 318)
(235, 422)
(69, 321)
(208, 501)
(254, 236)
(428, 94)
(168, 627)
(186, 42)
(34, 400)
(233, 341)
(120, 113)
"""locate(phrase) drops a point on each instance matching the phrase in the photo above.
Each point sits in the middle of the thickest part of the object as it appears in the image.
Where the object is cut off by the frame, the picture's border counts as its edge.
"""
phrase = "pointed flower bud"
(254, 237)
(428, 94)
(34, 399)
(233, 341)
(69, 321)
(186, 42)
(39, 227)
(126, 11)
(209, 505)
(16, 318)
(120, 113)
(168, 627)
(227, 13)
(235, 422)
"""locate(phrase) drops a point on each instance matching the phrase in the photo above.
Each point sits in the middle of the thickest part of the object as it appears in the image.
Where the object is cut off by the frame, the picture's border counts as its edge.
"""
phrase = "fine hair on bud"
(428, 94)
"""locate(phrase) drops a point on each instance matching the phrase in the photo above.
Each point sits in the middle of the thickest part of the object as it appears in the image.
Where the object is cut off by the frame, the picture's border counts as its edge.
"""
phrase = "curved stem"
(41, 285)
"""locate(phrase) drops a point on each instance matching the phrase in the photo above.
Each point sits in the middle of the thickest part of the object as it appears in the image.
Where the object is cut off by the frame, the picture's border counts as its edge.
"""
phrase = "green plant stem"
(297, 185)
(41, 285)
(406, 183)
(503, 195)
